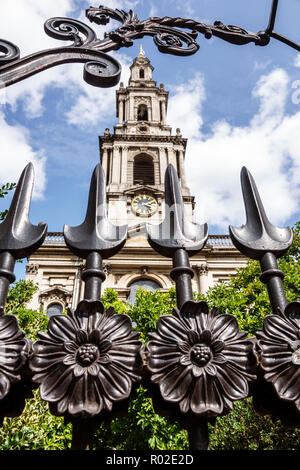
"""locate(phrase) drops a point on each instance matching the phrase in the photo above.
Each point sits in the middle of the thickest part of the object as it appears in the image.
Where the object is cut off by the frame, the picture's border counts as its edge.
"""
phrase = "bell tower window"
(142, 114)
(142, 73)
(143, 172)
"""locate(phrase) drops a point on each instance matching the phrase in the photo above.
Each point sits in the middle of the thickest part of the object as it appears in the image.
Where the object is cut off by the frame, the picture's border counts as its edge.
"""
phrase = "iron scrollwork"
(100, 69)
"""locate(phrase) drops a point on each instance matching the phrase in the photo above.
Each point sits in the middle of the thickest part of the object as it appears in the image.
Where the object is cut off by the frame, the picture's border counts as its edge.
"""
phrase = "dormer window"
(142, 73)
(142, 114)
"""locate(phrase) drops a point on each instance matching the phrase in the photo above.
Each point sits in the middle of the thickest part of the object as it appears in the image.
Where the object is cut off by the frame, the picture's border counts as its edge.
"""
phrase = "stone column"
(162, 164)
(121, 108)
(124, 164)
(163, 112)
(104, 161)
(202, 272)
(171, 156)
(182, 169)
(116, 166)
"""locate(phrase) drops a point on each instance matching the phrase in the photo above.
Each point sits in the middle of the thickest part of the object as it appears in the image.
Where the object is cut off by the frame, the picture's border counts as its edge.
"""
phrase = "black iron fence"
(197, 362)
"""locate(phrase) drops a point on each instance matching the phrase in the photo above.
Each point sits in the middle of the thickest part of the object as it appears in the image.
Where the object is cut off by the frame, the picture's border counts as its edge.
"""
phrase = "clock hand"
(149, 204)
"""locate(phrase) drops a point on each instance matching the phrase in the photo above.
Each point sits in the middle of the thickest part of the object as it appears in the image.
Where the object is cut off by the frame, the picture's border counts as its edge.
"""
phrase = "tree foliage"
(3, 192)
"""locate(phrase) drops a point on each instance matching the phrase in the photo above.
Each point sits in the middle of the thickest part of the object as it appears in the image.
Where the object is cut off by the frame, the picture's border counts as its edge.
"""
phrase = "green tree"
(3, 192)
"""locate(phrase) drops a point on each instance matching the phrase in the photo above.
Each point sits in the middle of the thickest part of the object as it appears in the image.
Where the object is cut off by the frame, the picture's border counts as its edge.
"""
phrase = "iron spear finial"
(176, 231)
(177, 238)
(18, 237)
(258, 235)
(17, 234)
(96, 238)
(258, 239)
(96, 233)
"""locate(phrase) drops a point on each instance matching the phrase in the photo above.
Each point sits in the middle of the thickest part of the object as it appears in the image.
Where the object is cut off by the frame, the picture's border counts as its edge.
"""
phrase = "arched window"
(54, 309)
(142, 113)
(143, 170)
(146, 284)
(142, 73)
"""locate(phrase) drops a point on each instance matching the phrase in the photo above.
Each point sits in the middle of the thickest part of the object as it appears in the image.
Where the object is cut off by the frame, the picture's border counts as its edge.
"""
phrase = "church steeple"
(141, 73)
(135, 156)
(142, 106)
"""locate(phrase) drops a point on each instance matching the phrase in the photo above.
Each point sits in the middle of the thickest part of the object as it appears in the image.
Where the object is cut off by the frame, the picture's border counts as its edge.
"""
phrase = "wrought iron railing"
(198, 360)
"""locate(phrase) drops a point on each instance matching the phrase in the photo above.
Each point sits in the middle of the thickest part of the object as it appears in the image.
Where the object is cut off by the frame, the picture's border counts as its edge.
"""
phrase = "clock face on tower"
(144, 205)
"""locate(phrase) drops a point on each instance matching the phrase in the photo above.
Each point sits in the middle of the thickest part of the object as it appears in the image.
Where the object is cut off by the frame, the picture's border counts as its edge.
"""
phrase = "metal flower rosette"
(279, 352)
(86, 361)
(201, 360)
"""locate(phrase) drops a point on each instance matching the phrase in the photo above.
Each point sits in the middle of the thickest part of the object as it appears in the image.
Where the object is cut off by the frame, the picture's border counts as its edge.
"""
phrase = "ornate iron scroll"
(279, 342)
(197, 357)
(89, 360)
(102, 70)
(18, 239)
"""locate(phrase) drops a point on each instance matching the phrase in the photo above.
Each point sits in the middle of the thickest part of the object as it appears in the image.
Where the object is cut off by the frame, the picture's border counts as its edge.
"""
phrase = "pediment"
(141, 188)
(55, 291)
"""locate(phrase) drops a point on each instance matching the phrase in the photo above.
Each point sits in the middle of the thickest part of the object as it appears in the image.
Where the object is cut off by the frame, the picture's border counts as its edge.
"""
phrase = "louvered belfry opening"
(143, 172)
(142, 113)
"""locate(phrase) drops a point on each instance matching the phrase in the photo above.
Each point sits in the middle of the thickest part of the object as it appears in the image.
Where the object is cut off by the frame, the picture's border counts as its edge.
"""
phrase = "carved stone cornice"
(201, 269)
(32, 269)
(142, 138)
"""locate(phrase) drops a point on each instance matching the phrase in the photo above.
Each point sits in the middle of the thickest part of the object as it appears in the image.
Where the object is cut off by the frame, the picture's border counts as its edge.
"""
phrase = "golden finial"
(142, 52)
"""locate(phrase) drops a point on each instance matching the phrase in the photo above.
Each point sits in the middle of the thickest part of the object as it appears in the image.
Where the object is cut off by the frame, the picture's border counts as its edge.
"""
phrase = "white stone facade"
(134, 158)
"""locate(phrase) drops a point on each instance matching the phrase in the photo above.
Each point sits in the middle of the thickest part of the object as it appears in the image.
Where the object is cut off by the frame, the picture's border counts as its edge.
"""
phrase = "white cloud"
(297, 61)
(94, 105)
(185, 106)
(16, 152)
(268, 146)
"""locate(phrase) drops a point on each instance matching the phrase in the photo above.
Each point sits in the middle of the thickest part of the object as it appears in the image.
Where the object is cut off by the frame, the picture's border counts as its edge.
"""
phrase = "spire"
(142, 52)
(141, 71)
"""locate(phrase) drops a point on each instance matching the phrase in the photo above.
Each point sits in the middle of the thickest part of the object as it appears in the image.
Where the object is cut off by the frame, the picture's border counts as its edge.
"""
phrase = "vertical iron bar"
(7, 263)
(82, 435)
(272, 277)
(182, 275)
(93, 276)
(198, 433)
(271, 24)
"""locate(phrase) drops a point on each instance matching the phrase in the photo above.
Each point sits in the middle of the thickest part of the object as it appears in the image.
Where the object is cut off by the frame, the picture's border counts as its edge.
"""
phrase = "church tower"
(135, 156)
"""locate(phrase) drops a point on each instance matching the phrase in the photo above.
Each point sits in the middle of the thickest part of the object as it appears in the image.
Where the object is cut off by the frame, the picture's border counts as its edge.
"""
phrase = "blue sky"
(238, 105)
